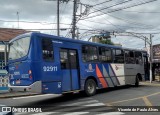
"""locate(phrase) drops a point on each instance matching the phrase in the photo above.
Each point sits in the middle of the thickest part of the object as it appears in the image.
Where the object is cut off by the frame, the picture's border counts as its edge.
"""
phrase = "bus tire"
(137, 81)
(90, 87)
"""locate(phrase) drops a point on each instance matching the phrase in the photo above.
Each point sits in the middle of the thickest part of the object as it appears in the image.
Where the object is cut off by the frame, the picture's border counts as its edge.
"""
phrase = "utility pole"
(145, 42)
(77, 33)
(151, 57)
(5, 54)
(58, 2)
(74, 18)
(82, 13)
(57, 17)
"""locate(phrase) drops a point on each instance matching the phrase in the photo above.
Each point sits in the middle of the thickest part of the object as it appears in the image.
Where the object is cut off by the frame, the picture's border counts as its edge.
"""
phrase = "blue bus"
(50, 64)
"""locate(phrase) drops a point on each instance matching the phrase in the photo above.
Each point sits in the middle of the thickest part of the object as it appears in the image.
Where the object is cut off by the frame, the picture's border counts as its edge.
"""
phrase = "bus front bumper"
(36, 87)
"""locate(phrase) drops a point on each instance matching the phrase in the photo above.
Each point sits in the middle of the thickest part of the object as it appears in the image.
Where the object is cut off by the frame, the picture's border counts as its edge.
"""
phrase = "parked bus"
(49, 64)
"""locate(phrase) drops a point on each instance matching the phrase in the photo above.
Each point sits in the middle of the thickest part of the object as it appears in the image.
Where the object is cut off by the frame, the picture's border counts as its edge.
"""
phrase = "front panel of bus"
(18, 53)
(21, 64)
(34, 65)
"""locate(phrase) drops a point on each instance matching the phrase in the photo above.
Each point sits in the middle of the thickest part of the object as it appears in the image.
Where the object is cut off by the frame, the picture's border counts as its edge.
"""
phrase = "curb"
(150, 84)
(4, 91)
(16, 94)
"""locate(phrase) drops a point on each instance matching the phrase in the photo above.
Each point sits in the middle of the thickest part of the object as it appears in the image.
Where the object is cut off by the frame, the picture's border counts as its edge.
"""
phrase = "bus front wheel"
(90, 87)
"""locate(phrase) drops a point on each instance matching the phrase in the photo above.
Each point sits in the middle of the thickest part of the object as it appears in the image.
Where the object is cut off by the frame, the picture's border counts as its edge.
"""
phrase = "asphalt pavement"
(112, 101)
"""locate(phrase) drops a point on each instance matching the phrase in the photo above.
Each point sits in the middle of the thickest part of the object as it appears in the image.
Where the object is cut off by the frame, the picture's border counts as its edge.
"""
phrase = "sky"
(118, 16)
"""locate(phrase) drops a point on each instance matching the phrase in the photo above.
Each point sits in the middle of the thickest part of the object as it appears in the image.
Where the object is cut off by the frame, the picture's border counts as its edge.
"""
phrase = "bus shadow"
(56, 101)
(107, 90)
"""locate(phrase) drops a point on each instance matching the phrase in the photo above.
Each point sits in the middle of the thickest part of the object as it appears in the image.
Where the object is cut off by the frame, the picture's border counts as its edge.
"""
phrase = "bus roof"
(70, 40)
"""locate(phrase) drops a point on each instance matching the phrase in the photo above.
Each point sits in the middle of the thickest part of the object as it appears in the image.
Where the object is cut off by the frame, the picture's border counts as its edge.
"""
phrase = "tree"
(106, 41)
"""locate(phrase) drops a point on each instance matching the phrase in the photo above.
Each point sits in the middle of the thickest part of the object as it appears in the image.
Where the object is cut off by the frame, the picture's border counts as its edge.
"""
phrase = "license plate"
(18, 82)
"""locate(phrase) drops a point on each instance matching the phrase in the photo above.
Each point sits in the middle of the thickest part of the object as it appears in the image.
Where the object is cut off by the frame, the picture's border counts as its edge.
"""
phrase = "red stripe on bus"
(100, 77)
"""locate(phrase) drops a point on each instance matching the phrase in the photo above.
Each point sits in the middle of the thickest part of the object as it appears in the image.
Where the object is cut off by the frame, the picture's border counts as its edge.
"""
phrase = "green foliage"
(106, 41)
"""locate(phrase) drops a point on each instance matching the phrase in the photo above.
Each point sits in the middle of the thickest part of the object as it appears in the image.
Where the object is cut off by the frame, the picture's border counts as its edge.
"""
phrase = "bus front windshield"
(19, 48)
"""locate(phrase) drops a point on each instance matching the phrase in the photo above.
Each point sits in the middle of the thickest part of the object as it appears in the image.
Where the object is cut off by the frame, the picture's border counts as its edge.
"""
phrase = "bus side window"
(138, 56)
(73, 59)
(47, 49)
(64, 59)
(105, 54)
(89, 53)
(132, 57)
(93, 53)
(118, 56)
(129, 57)
(84, 53)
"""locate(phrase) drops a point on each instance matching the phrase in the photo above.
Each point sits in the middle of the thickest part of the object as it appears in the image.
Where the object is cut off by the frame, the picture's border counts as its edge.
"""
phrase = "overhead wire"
(131, 22)
(115, 10)
(117, 25)
(109, 6)
(69, 32)
(40, 28)
(131, 33)
(62, 11)
(43, 23)
(101, 3)
(140, 24)
(142, 12)
(144, 2)
(54, 26)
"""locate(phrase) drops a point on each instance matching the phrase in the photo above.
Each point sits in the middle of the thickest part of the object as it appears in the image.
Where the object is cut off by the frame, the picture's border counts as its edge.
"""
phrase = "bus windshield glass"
(19, 48)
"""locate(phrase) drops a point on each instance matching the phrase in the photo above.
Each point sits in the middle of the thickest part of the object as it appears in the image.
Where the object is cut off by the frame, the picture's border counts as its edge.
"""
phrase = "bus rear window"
(19, 48)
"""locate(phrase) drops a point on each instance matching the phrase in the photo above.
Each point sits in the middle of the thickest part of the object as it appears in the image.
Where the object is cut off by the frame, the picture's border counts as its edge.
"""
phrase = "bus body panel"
(68, 72)
(51, 87)
(19, 68)
(130, 71)
(88, 70)
(117, 70)
(105, 74)
(19, 73)
(63, 79)
(50, 71)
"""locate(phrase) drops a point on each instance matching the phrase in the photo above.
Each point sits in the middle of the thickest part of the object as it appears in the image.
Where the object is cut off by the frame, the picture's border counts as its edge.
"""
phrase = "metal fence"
(2, 64)
(4, 80)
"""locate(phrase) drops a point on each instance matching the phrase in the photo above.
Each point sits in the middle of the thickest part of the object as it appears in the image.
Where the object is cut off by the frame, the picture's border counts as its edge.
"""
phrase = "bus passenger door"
(69, 67)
